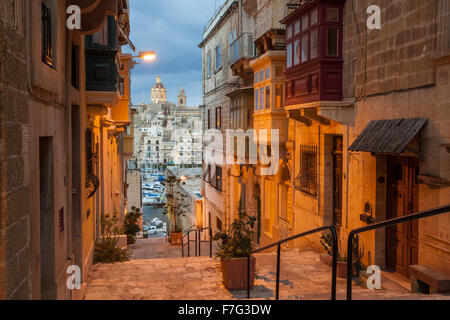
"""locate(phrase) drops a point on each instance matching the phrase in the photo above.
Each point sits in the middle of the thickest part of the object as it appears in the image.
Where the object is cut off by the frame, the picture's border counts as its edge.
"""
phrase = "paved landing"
(303, 276)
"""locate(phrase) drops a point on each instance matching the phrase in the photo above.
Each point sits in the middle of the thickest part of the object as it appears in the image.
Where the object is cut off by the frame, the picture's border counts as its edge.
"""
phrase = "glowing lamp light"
(147, 55)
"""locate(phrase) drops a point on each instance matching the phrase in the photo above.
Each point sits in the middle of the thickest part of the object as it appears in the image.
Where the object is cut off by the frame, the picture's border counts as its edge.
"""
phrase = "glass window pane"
(296, 52)
(305, 48)
(297, 27)
(267, 73)
(332, 42)
(314, 44)
(289, 31)
(332, 14)
(261, 99)
(256, 99)
(261, 75)
(305, 23)
(314, 17)
(268, 97)
(279, 96)
(289, 55)
(256, 77)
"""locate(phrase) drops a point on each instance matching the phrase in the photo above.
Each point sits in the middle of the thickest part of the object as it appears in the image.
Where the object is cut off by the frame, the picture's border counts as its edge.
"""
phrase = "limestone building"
(167, 133)
(61, 127)
(368, 126)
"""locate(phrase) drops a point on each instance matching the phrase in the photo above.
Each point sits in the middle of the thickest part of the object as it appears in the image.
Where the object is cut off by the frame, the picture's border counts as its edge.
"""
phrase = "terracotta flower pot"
(342, 269)
(175, 238)
(235, 273)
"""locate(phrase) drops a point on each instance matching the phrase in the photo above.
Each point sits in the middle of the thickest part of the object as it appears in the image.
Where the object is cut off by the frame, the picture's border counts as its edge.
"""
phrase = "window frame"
(218, 118)
(47, 52)
(307, 179)
(218, 52)
(319, 27)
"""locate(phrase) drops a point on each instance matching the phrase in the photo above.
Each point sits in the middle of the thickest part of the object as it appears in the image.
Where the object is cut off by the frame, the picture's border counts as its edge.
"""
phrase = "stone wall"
(403, 79)
(398, 56)
(14, 176)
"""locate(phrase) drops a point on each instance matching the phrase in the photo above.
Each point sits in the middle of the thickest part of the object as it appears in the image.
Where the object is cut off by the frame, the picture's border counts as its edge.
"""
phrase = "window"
(289, 55)
(267, 73)
(332, 14)
(261, 75)
(216, 178)
(261, 99)
(305, 23)
(256, 99)
(122, 86)
(314, 17)
(234, 46)
(289, 31)
(256, 77)
(268, 97)
(209, 119)
(296, 52)
(101, 37)
(332, 42)
(47, 48)
(305, 48)
(279, 96)
(314, 44)
(306, 181)
(218, 57)
(297, 27)
(218, 117)
(209, 64)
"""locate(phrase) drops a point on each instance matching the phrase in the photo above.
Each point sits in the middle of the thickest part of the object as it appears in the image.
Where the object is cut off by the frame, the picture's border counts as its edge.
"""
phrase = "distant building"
(166, 133)
(159, 92)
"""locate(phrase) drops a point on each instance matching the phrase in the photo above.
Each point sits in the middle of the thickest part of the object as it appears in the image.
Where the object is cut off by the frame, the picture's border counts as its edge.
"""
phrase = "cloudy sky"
(173, 28)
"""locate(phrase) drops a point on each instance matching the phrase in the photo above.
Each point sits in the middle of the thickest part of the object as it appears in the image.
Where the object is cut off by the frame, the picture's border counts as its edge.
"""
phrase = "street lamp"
(147, 55)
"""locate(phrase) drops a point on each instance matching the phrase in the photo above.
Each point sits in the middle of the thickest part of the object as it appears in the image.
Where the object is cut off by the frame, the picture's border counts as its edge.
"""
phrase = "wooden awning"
(388, 136)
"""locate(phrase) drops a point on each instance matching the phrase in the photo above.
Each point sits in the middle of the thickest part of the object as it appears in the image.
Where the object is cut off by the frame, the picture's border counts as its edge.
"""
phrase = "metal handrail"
(278, 245)
(383, 224)
(187, 233)
(200, 241)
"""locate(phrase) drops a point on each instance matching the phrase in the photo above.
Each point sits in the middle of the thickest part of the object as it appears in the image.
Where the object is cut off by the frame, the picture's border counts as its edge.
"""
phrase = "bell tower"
(182, 98)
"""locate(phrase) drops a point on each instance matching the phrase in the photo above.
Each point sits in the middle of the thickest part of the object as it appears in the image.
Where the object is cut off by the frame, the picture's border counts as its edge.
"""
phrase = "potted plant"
(173, 210)
(131, 226)
(341, 270)
(107, 250)
(234, 249)
(176, 236)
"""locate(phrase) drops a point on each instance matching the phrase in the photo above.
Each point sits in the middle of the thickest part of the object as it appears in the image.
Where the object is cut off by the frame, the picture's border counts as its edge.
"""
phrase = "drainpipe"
(347, 179)
(69, 146)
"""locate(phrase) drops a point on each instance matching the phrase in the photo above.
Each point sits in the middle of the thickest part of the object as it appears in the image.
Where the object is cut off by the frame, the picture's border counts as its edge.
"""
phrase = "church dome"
(159, 92)
(158, 84)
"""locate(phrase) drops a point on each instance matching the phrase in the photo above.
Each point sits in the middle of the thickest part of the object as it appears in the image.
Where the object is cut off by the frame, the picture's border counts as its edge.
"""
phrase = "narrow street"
(303, 277)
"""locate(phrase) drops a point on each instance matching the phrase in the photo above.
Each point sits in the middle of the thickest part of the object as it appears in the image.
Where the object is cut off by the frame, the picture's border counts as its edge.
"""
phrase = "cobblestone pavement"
(303, 276)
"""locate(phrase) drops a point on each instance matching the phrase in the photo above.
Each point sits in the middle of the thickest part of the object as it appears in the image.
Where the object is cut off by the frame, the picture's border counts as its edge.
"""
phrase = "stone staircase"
(303, 277)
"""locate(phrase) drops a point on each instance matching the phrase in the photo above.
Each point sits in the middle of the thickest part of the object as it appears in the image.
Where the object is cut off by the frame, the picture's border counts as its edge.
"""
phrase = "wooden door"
(337, 182)
(402, 199)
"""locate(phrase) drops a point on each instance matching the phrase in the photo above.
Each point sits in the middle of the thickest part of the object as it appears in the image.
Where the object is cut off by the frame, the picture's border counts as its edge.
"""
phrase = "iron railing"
(197, 240)
(384, 224)
(199, 232)
(187, 233)
(278, 245)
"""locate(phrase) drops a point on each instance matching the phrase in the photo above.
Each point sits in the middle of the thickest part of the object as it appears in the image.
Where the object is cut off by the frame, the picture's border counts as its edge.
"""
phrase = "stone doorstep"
(397, 279)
